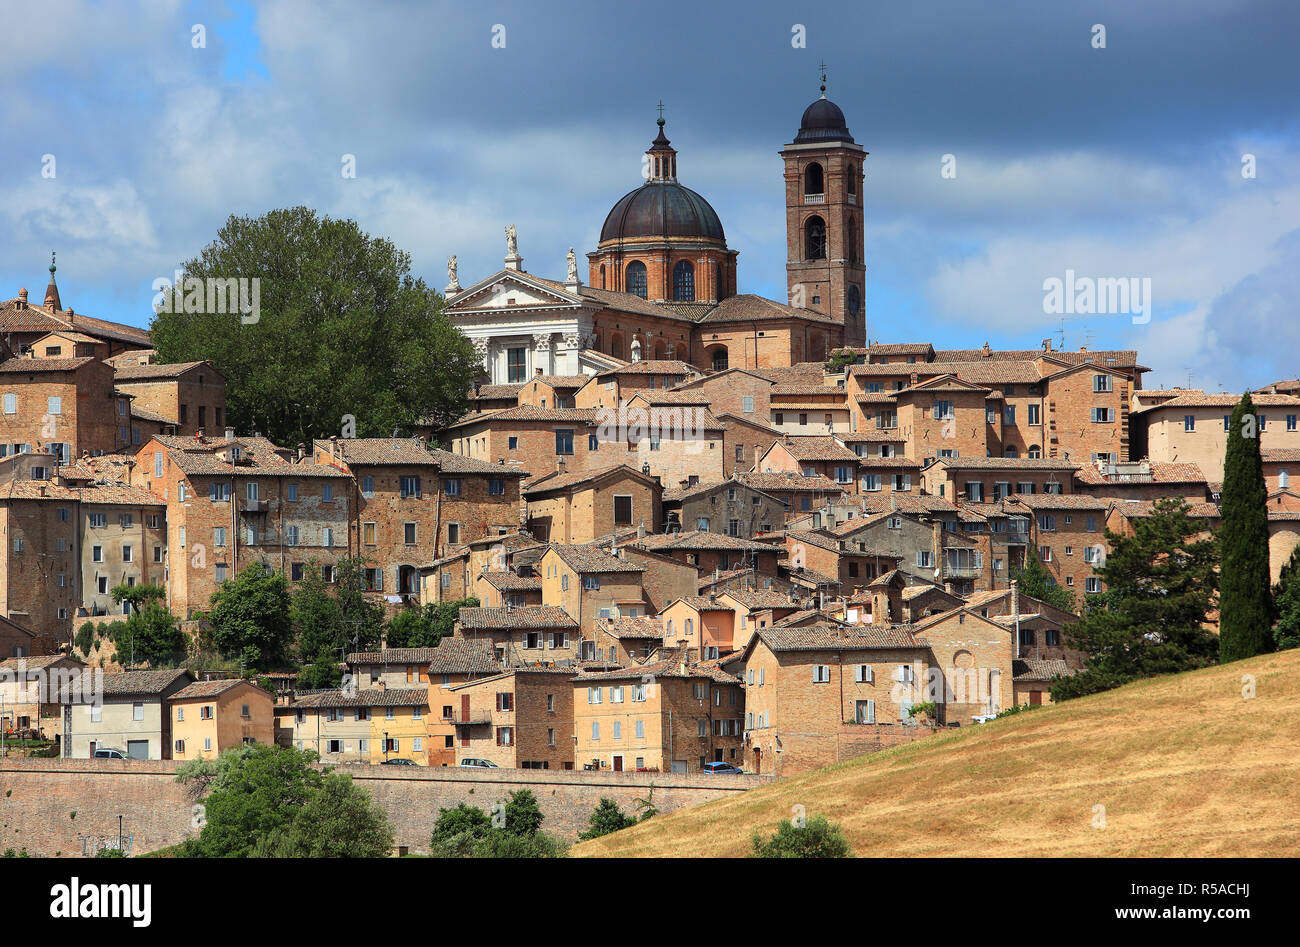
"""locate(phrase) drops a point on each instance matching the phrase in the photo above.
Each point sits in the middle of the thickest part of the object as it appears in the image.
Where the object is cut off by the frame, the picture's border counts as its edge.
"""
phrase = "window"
(747, 406)
(1045, 553)
(871, 482)
(250, 490)
(516, 364)
(814, 232)
(1092, 584)
(821, 673)
(410, 487)
(497, 486)
(563, 442)
(623, 511)
(1009, 414)
(408, 534)
(1031, 414)
(219, 536)
(943, 411)
(1101, 383)
(453, 533)
(924, 559)
(1047, 521)
(636, 279)
(1102, 415)
(1189, 422)
(126, 552)
(326, 492)
(451, 487)
(217, 492)
(814, 180)
(291, 535)
(865, 711)
(11, 404)
(684, 281)
(1290, 422)
(220, 573)
(591, 583)
(367, 487)
(137, 711)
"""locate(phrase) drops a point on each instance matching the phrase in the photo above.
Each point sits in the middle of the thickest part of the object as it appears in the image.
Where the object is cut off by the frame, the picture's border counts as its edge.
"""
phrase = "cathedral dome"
(823, 121)
(662, 209)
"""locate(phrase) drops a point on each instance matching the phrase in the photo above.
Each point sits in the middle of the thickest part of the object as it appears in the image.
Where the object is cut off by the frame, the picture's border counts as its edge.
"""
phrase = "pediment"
(509, 289)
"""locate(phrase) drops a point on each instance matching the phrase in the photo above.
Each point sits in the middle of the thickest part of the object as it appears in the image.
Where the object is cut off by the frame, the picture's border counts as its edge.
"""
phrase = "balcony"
(252, 506)
(814, 198)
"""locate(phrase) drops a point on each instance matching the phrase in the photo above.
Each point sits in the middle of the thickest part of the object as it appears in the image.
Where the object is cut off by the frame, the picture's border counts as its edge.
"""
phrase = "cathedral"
(661, 282)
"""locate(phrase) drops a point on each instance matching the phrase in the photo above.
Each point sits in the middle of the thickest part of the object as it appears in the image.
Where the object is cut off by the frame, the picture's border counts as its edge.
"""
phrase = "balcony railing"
(814, 198)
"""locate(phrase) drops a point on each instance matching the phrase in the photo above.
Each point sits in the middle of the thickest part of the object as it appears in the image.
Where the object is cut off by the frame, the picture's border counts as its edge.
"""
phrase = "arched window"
(814, 239)
(1035, 452)
(719, 359)
(636, 283)
(683, 282)
(853, 179)
(719, 292)
(602, 276)
(853, 241)
(616, 345)
(813, 180)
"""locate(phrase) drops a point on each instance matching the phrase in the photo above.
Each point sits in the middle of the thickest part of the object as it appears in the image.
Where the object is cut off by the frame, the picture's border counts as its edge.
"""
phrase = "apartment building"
(64, 405)
(712, 552)
(1068, 533)
(728, 506)
(371, 725)
(531, 634)
(210, 717)
(588, 583)
(133, 716)
(579, 506)
(521, 718)
(190, 396)
(410, 505)
(234, 501)
(667, 715)
(988, 479)
(1192, 428)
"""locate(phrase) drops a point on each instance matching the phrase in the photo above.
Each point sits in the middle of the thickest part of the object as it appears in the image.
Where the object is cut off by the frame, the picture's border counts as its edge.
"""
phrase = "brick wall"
(156, 809)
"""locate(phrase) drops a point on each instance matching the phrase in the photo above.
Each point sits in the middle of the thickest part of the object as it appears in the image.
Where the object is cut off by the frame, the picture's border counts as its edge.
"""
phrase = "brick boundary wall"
(39, 796)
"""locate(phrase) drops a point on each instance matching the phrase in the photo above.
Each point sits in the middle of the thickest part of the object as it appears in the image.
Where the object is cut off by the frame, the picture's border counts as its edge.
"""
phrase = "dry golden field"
(1184, 766)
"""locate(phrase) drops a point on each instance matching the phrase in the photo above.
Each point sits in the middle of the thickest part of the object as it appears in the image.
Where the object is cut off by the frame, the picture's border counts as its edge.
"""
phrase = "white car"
(473, 762)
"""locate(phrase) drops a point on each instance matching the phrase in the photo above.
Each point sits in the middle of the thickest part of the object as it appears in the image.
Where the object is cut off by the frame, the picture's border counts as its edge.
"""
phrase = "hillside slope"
(1184, 765)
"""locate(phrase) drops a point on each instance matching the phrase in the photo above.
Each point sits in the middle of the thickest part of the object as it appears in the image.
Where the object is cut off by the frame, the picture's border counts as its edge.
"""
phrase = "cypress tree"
(1245, 602)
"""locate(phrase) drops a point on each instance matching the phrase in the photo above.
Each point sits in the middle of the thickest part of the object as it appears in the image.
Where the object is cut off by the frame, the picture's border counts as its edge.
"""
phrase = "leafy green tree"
(818, 838)
(424, 627)
(320, 674)
(363, 620)
(256, 792)
(501, 844)
(1034, 580)
(458, 830)
(342, 329)
(250, 616)
(85, 639)
(606, 818)
(151, 635)
(317, 619)
(339, 821)
(138, 595)
(1245, 602)
(1286, 603)
(1162, 581)
(523, 816)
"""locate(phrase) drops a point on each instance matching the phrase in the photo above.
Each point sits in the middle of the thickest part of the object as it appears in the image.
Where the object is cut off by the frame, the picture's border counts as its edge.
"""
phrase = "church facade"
(662, 281)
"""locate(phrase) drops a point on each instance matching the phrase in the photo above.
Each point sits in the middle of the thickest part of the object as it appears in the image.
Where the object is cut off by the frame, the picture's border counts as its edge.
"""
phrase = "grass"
(1184, 766)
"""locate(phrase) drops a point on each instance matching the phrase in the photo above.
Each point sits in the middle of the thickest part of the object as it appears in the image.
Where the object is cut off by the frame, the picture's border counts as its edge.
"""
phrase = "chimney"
(22, 298)
(230, 433)
(302, 452)
(560, 465)
(914, 378)
(334, 443)
(538, 373)
(986, 351)
(1015, 600)
(1047, 345)
(640, 530)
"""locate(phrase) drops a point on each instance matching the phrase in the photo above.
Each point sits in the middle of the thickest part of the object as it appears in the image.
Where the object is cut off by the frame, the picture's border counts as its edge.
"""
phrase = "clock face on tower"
(855, 300)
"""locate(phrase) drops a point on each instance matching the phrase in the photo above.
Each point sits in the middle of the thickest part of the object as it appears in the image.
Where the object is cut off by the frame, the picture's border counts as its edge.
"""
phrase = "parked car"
(475, 762)
(109, 753)
(396, 761)
(724, 768)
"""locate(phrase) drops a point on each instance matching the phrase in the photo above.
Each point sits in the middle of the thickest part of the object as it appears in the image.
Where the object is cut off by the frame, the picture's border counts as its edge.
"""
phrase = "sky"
(1166, 148)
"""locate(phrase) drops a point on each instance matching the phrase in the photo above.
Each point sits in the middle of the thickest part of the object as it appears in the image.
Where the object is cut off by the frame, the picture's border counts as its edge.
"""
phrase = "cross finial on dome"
(823, 69)
(52, 266)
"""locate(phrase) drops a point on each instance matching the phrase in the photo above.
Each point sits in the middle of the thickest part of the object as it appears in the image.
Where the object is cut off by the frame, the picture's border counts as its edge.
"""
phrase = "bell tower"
(825, 259)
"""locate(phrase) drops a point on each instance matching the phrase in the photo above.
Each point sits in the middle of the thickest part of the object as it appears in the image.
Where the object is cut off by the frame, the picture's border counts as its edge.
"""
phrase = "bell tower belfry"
(825, 258)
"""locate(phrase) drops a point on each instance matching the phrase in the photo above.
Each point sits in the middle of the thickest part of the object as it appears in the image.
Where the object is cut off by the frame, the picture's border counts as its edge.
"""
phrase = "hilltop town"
(679, 529)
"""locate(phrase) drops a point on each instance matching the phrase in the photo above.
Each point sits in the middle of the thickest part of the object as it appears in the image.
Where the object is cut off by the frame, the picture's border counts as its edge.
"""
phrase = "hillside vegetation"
(1184, 766)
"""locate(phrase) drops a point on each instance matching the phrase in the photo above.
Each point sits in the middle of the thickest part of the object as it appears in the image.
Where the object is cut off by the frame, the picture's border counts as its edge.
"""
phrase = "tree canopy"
(342, 329)
(1034, 580)
(1161, 588)
(1245, 602)
(250, 616)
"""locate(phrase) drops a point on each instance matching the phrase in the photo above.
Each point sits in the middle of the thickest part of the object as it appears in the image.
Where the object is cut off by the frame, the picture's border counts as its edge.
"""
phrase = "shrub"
(817, 838)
